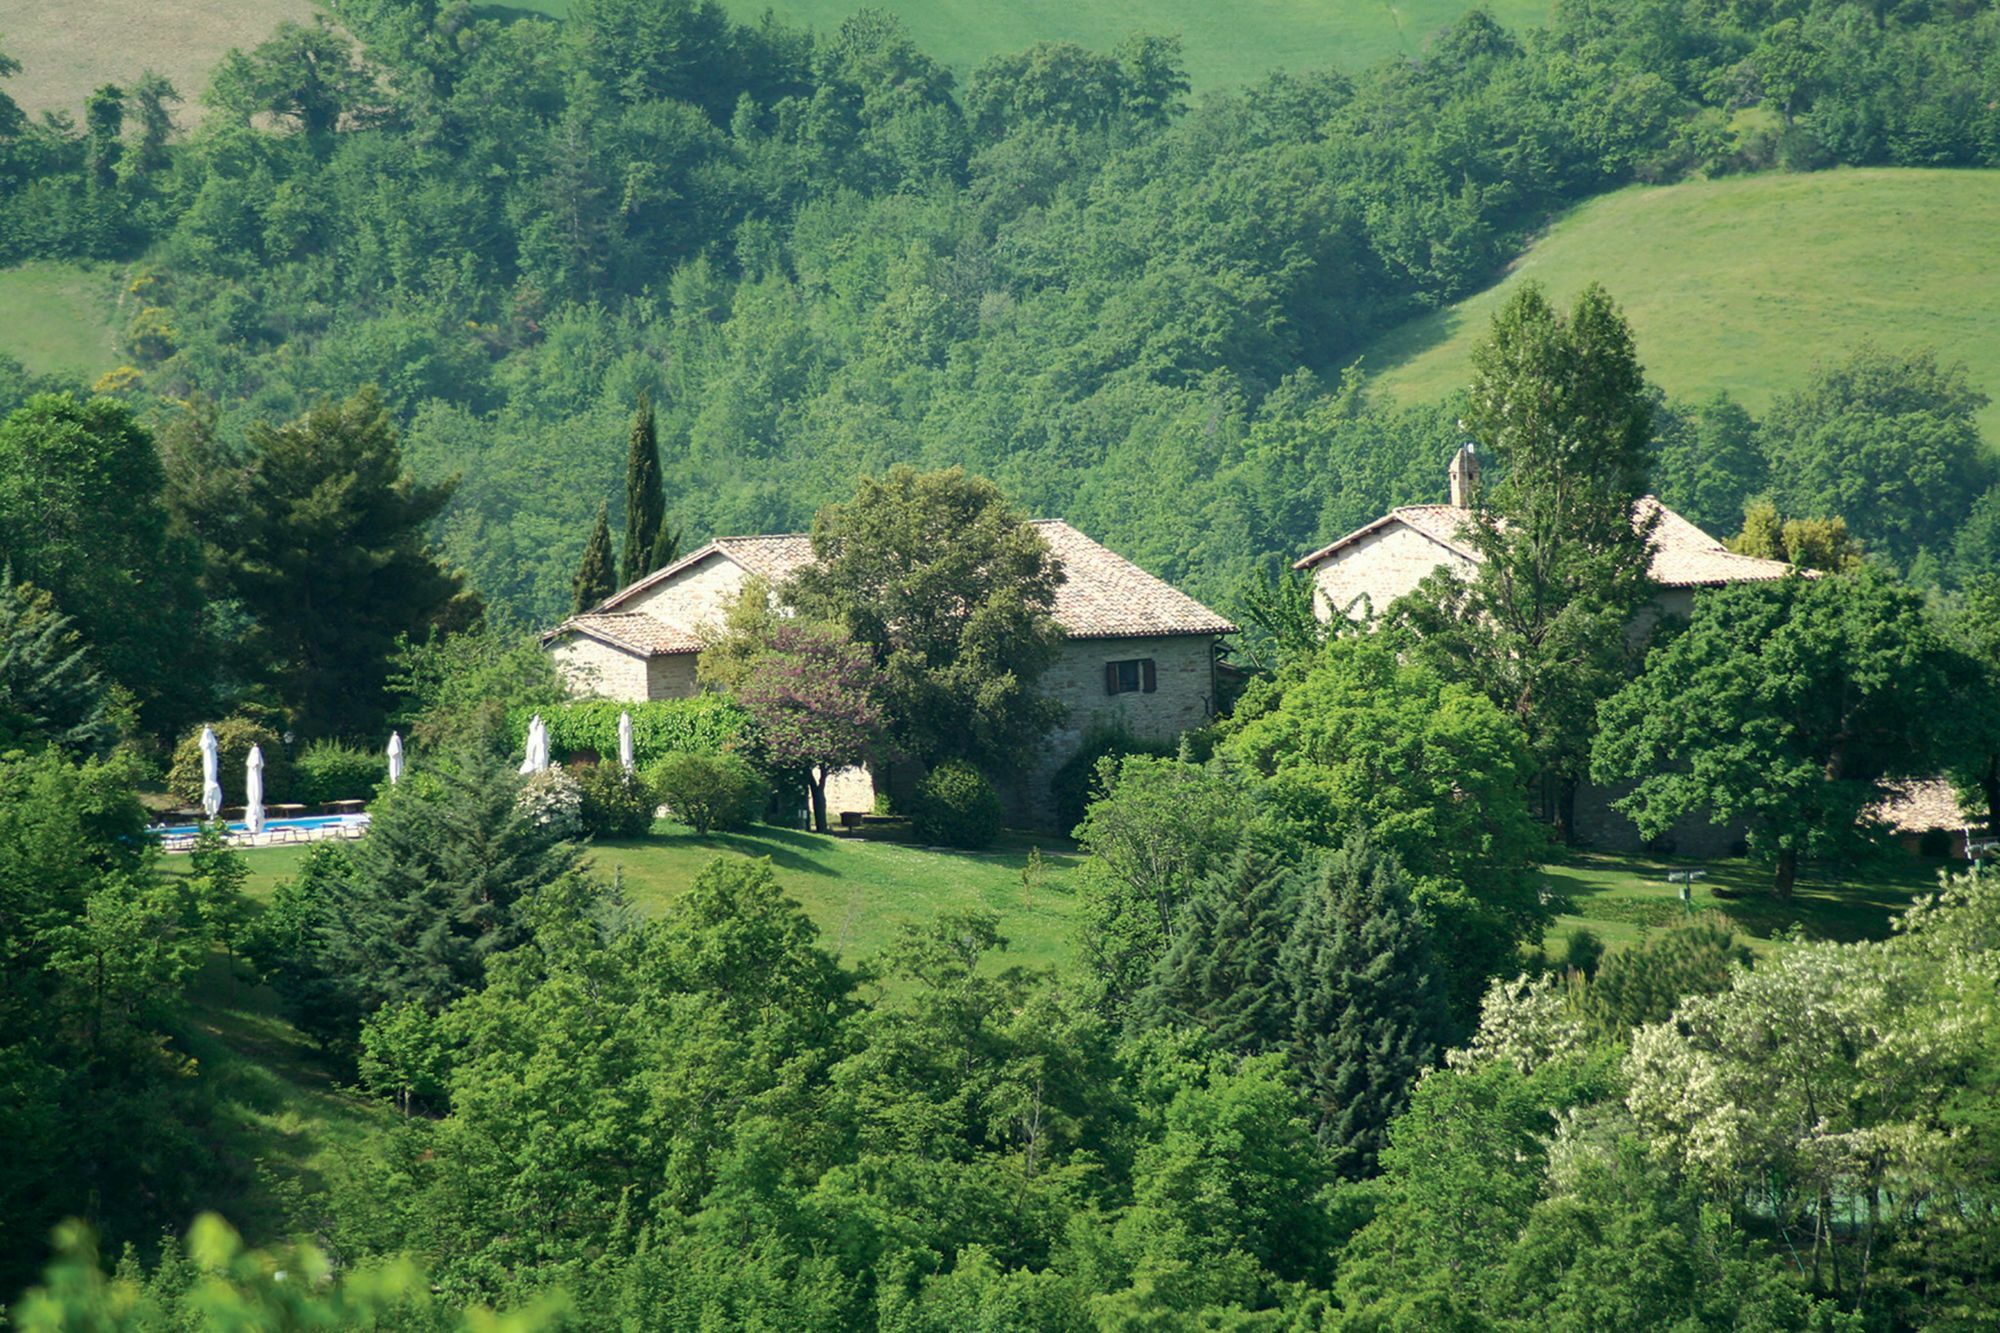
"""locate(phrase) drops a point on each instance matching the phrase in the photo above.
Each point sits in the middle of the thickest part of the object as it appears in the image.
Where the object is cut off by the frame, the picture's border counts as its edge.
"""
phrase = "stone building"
(1139, 654)
(1360, 574)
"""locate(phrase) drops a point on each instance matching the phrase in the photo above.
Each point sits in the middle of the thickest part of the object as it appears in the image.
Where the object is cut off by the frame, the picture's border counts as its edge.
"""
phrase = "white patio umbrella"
(395, 757)
(211, 773)
(253, 792)
(625, 741)
(538, 746)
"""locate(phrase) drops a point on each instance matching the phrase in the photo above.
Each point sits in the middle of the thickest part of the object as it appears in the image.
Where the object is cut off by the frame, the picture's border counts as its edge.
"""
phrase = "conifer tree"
(595, 580)
(50, 692)
(645, 503)
(1223, 971)
(1369, 1010)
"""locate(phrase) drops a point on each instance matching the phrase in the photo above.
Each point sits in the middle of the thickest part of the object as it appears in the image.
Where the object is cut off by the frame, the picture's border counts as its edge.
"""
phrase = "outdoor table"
(286, 810)
(345, 807)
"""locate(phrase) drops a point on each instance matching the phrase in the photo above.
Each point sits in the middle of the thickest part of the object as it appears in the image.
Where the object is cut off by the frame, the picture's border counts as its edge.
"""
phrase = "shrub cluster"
(708, 791)
(955, 806)
(616, 804)
(1074, 785)
(235, 736)
(552, 801)
(334, 771)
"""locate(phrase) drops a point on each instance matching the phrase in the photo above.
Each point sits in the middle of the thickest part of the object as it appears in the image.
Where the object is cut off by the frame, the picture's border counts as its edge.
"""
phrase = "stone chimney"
(1464, 475)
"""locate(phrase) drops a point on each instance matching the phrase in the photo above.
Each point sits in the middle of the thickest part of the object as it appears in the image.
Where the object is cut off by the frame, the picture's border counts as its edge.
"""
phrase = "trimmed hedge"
(708, 791)
(705, 724)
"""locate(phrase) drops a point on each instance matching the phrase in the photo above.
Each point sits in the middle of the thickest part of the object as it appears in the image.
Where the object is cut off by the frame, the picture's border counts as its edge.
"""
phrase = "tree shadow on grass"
(789, 849)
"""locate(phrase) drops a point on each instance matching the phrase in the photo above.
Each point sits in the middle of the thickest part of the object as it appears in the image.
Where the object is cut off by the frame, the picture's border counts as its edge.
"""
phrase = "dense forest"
(820, 254)
(432, 302)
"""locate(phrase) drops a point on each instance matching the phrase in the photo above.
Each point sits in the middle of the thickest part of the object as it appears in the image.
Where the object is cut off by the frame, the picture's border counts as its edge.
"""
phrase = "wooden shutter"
(1111, 678)
(1148, 681)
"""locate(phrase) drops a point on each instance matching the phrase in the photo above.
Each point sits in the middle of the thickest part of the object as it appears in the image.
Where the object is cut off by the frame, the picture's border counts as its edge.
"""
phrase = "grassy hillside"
(1226, 43)
(68, 47)
(59, 318)
(1744, 283)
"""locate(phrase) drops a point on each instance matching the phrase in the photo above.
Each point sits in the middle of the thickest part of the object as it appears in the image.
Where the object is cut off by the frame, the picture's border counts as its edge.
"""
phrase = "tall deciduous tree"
(595, 578)
(1369, 1011)
(1782, 705)
(812, 695)
(951, 590)
(1890, 441)
(329, 556)
(82, 517)
(649, 542)
(1561, 403)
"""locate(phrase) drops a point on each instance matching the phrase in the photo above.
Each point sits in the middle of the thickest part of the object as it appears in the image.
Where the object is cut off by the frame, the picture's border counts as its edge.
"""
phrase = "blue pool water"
(238, 826)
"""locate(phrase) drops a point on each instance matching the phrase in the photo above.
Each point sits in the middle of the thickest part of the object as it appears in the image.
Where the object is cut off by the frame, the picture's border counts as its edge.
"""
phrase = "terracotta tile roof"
(1105, 596)
(1102, 595)
(1918, 806)
(1683, 555)
(634, 631)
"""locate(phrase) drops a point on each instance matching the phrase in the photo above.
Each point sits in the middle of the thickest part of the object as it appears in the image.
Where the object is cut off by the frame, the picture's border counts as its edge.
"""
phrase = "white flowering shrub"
(1526, 1022)
(552, 801)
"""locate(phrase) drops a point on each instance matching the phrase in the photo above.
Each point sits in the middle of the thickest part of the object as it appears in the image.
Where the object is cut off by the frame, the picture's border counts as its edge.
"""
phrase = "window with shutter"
(1130, 676)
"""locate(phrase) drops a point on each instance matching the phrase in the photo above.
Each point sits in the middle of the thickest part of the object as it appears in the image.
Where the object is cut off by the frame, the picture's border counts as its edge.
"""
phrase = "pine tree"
(436, 889)
(1223, 970)
(1369, 1011)
(594, 578)
(50, 693)
(645, 503)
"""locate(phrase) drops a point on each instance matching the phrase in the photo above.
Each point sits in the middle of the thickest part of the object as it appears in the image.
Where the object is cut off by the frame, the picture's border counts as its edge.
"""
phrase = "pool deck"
(348, 829)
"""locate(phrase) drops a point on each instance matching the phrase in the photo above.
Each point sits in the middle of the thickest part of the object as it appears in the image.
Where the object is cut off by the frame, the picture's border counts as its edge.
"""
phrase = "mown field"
(71, 46)
(1745, 283)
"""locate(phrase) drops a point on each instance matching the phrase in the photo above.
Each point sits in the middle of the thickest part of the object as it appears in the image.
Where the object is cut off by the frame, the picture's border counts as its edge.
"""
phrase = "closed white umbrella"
(395, 757)
(625, 741)
(253, 792)
(537, 757)
(211, 773)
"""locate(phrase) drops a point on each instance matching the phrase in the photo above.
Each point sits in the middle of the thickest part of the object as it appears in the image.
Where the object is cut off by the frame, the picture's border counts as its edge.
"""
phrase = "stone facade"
(698, 597)
(1376, 570)
(1600, 827)
(591, 666)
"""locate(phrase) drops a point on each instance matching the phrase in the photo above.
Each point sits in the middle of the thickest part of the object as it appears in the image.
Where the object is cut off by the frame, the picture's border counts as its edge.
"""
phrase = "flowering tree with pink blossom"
(813, 696)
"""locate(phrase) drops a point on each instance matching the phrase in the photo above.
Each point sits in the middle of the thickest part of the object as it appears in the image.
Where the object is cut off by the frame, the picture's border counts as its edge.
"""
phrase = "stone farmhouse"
(1360, 574)
(1140, 654)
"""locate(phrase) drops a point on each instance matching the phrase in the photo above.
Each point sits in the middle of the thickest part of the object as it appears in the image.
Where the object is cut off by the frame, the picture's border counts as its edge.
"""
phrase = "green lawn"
(1744, 283)
(1620, 898)
(57, 318)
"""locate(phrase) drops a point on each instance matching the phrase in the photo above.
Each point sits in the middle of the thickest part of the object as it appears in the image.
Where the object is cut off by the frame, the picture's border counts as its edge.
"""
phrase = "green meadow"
(57, 318)
(1745, 283)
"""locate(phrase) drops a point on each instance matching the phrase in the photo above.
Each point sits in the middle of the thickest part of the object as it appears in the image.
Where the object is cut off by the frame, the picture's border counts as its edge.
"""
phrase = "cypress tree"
(1222, 971)
(1369, 1011)
(645, 503)
(594, 578)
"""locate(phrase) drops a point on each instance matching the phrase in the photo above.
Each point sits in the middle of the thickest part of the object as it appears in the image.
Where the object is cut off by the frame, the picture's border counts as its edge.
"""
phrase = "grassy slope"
(57, 318)
(1744, 283)
(68, 47)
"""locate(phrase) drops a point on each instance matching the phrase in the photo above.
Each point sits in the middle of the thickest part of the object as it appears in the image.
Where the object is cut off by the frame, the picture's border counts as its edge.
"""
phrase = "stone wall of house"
(1183, 699)
(671, 676)
(590, 666)
(1382, 566)
(1601, 828)
(694, 598)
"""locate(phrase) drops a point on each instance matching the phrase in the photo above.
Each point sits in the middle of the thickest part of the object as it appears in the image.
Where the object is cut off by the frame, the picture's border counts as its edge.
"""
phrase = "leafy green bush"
(616, 804)
(955, 806)
(1074, 784)
(333, 771)
(705, 724)
(708, 791)
(235, 736)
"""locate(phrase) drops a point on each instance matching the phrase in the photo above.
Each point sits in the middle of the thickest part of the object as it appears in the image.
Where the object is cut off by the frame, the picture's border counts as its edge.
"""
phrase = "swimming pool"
(270, 825)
